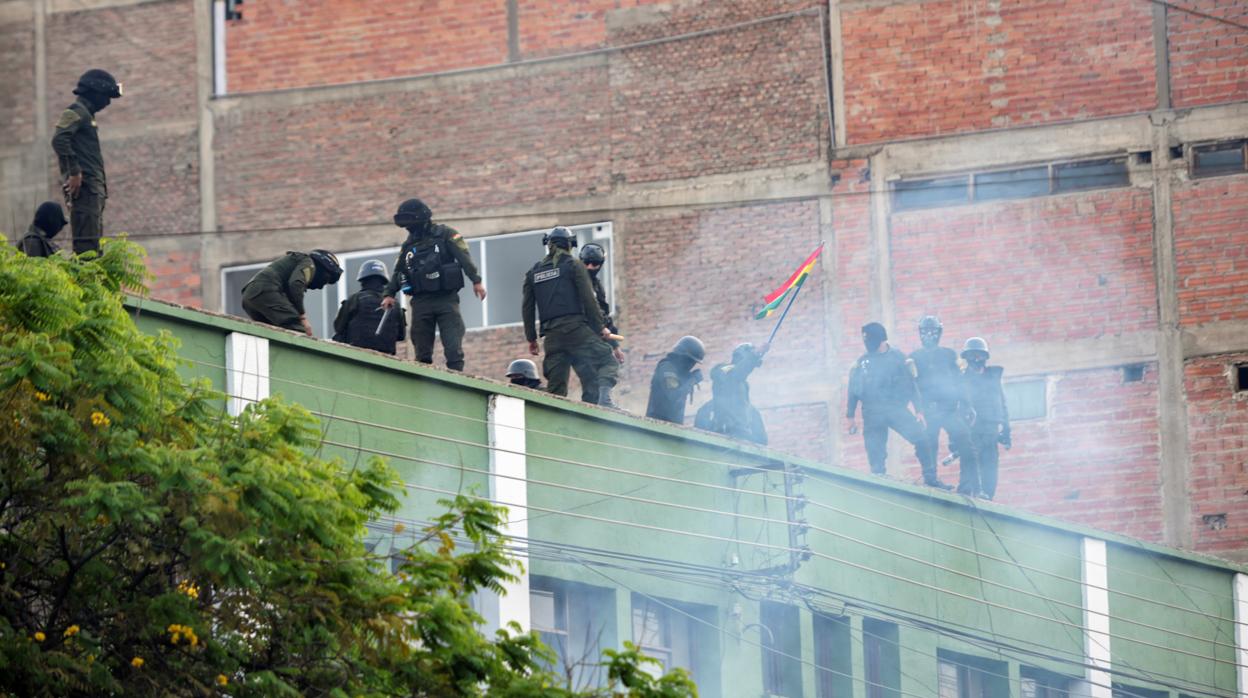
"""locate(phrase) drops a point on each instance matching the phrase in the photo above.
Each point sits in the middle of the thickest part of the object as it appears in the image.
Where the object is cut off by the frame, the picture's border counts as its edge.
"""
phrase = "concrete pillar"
(1095, 579)
(508, 470)
(246, 370)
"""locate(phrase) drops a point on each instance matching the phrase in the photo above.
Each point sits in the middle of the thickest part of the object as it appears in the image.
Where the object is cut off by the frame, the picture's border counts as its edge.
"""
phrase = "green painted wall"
(701, 526)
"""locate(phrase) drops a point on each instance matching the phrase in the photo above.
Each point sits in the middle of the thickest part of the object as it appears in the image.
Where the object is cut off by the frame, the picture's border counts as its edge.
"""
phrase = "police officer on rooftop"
(431, 267)
(77, 146)
(360, 318)
(558, 290)
(275, 294)
(49, 220)
(942, 397)
(674, 379)
(594, 257)
(992, 420)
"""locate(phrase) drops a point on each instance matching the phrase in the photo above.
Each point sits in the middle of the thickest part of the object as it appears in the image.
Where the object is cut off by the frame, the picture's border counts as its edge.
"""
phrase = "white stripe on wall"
(1096, 619)
(246, 370)
(1241, 631)
(507, 449)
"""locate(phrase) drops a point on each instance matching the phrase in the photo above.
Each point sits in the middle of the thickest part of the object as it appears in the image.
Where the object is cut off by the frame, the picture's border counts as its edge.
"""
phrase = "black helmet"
(373, 267)
(101, 81)
(930, 322)
(522, 367)
(560, 236)
(691, 347)
(930, 330)
(412, 213)
(592, 253)
(328, 270)
(742, 352)
(975, 345)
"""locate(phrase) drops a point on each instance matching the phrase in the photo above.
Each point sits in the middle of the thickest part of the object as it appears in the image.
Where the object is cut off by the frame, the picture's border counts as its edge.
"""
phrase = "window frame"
(1195, 149)
(1025, 380)
(972, 177)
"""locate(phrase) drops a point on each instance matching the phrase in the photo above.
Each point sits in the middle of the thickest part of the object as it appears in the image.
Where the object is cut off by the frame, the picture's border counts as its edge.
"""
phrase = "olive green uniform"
(35, 243)
(76, 143)
(571, 341)
(275, 294)
(436, 311)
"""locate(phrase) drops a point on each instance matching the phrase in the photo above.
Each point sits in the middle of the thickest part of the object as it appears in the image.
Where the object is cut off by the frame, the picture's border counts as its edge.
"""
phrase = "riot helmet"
(873, 335)
(689, 347)
(523, 372)
(328, 270)
(98, 87)
(373, 268)
(930, 330)
(592, 253)
(743, 352)
(413, 214)
(975, 351)
(561, 237)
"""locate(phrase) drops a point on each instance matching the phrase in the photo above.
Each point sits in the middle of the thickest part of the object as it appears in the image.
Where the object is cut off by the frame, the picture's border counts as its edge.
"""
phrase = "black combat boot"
(604, 397)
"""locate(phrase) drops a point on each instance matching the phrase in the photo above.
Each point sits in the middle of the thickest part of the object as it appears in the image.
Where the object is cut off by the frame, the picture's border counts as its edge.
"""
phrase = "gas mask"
(930, 337)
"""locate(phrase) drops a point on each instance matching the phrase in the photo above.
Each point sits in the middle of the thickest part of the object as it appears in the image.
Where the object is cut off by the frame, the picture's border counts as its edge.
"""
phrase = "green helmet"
(690, 347)
(973, 346)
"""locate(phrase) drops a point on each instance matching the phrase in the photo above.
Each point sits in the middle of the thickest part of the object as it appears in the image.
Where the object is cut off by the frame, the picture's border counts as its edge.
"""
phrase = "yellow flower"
(221, 680)
(137, 662)
(100, 419)
(398, 528)
(71, 631)
(90, 659)
(40, 637)
(42, 396)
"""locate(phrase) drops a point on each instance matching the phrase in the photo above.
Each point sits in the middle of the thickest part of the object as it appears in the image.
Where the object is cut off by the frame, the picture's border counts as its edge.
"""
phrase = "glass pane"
(1025, 399)
(235, 279)
(469, 307)
(1012, 184)
(927, 193)
(648, 628)
(542, 608)
(1219, 159)
(1094, 174)
(510, 256)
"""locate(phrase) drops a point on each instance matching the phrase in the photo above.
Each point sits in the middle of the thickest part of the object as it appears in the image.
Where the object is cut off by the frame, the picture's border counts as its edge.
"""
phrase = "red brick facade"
(1218, 427)
(1210, 230)
(1207, 57)
(925, 68)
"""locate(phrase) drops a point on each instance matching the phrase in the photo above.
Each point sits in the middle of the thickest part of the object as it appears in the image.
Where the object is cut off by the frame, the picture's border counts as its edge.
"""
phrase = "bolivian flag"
(776, 297)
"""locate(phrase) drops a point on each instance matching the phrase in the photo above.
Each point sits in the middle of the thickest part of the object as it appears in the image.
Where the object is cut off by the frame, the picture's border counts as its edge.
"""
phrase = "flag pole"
(785, 313)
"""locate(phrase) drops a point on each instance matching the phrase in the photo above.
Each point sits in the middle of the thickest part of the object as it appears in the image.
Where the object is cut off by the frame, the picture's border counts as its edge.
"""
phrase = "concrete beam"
(1210, 339)
(60, 6)
(1076, 354)
(836, 54)
(17, 12)
(1161, 57)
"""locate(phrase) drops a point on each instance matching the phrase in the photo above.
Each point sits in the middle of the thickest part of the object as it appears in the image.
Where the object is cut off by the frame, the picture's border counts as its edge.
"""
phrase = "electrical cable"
(737, 491)
(1198, 13)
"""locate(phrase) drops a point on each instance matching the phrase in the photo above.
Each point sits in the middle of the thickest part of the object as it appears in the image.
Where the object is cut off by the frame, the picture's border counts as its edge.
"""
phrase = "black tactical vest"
(433, 270)
(554, 288)
(362, 330)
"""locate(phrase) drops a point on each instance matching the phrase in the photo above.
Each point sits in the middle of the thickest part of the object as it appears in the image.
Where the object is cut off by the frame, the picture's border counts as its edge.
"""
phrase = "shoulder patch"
(308, 273)
(69, 117)
(456, 236)
(545, 275)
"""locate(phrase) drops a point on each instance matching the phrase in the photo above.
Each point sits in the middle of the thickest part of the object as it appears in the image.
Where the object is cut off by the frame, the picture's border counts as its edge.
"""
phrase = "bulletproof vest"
(362, 330)
(432, 269)
(985, 389)
(938, 375)
(554, 288)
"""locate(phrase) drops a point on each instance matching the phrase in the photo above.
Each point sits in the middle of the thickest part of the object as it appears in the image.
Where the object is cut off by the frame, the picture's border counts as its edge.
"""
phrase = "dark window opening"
(1144, 157)
(1218, 159)
(782, 650)
(930, 193)
(1241, 378)
(1012, 184)
(881, 658)
(1039, 683)
(966, 676)
(1133, 373)
(833, 657)
(1176, 152)
(1124, 691)
(1092, 174)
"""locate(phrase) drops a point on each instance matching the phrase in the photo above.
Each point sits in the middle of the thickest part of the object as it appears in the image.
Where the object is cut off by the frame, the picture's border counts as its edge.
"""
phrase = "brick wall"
(1034, 270)
(177, 278)
(17, 99)
(1206, 57)
(918, 69)
(1218, 442)
(288, 44)
(1211, 249)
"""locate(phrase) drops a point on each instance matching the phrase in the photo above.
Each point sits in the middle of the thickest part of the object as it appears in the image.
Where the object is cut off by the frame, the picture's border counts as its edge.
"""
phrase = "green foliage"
(152, 545)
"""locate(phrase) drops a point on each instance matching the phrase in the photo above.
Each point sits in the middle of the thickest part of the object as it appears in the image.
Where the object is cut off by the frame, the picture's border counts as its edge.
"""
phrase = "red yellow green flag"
(776, 297)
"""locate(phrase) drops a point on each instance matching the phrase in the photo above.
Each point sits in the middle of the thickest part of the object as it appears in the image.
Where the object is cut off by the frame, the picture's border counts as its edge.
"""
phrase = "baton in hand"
(385, 318)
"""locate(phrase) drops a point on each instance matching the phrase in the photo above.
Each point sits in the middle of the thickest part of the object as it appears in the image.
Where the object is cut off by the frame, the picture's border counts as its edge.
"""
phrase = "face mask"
(929, 338)
(97, 101)
(871, 343)
(977, 362)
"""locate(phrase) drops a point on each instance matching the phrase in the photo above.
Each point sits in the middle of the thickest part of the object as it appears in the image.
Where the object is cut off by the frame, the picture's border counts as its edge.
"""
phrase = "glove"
(1004, 440)
(695, 376)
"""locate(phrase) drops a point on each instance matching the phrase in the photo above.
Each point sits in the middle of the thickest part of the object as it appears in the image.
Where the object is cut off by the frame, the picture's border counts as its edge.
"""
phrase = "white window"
(663, 634)
(501, 259)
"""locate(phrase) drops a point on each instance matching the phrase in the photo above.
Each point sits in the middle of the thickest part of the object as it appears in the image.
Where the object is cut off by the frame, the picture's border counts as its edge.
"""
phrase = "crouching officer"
(275, 294)
(431, 267)
(943, 398)
(558, 289)
(594, 257)
(523, 372)
(729, 412)
(76, 143)
(49, 220)
(992, 419)
(362, 322)
(881, 380)
(674, 379)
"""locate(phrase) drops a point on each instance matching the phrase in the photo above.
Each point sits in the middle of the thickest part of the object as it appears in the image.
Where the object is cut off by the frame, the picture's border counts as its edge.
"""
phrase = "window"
(833, 659)
(664, 633)
(1241, 378)
(501, 259)
(782, 649)
(1125, 691)
(572, 619)
(1038, 683)
(964, 676)
(881, 658)
(1218, 159)
(1133, 373)
(1017, 183)
(1026, 399)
